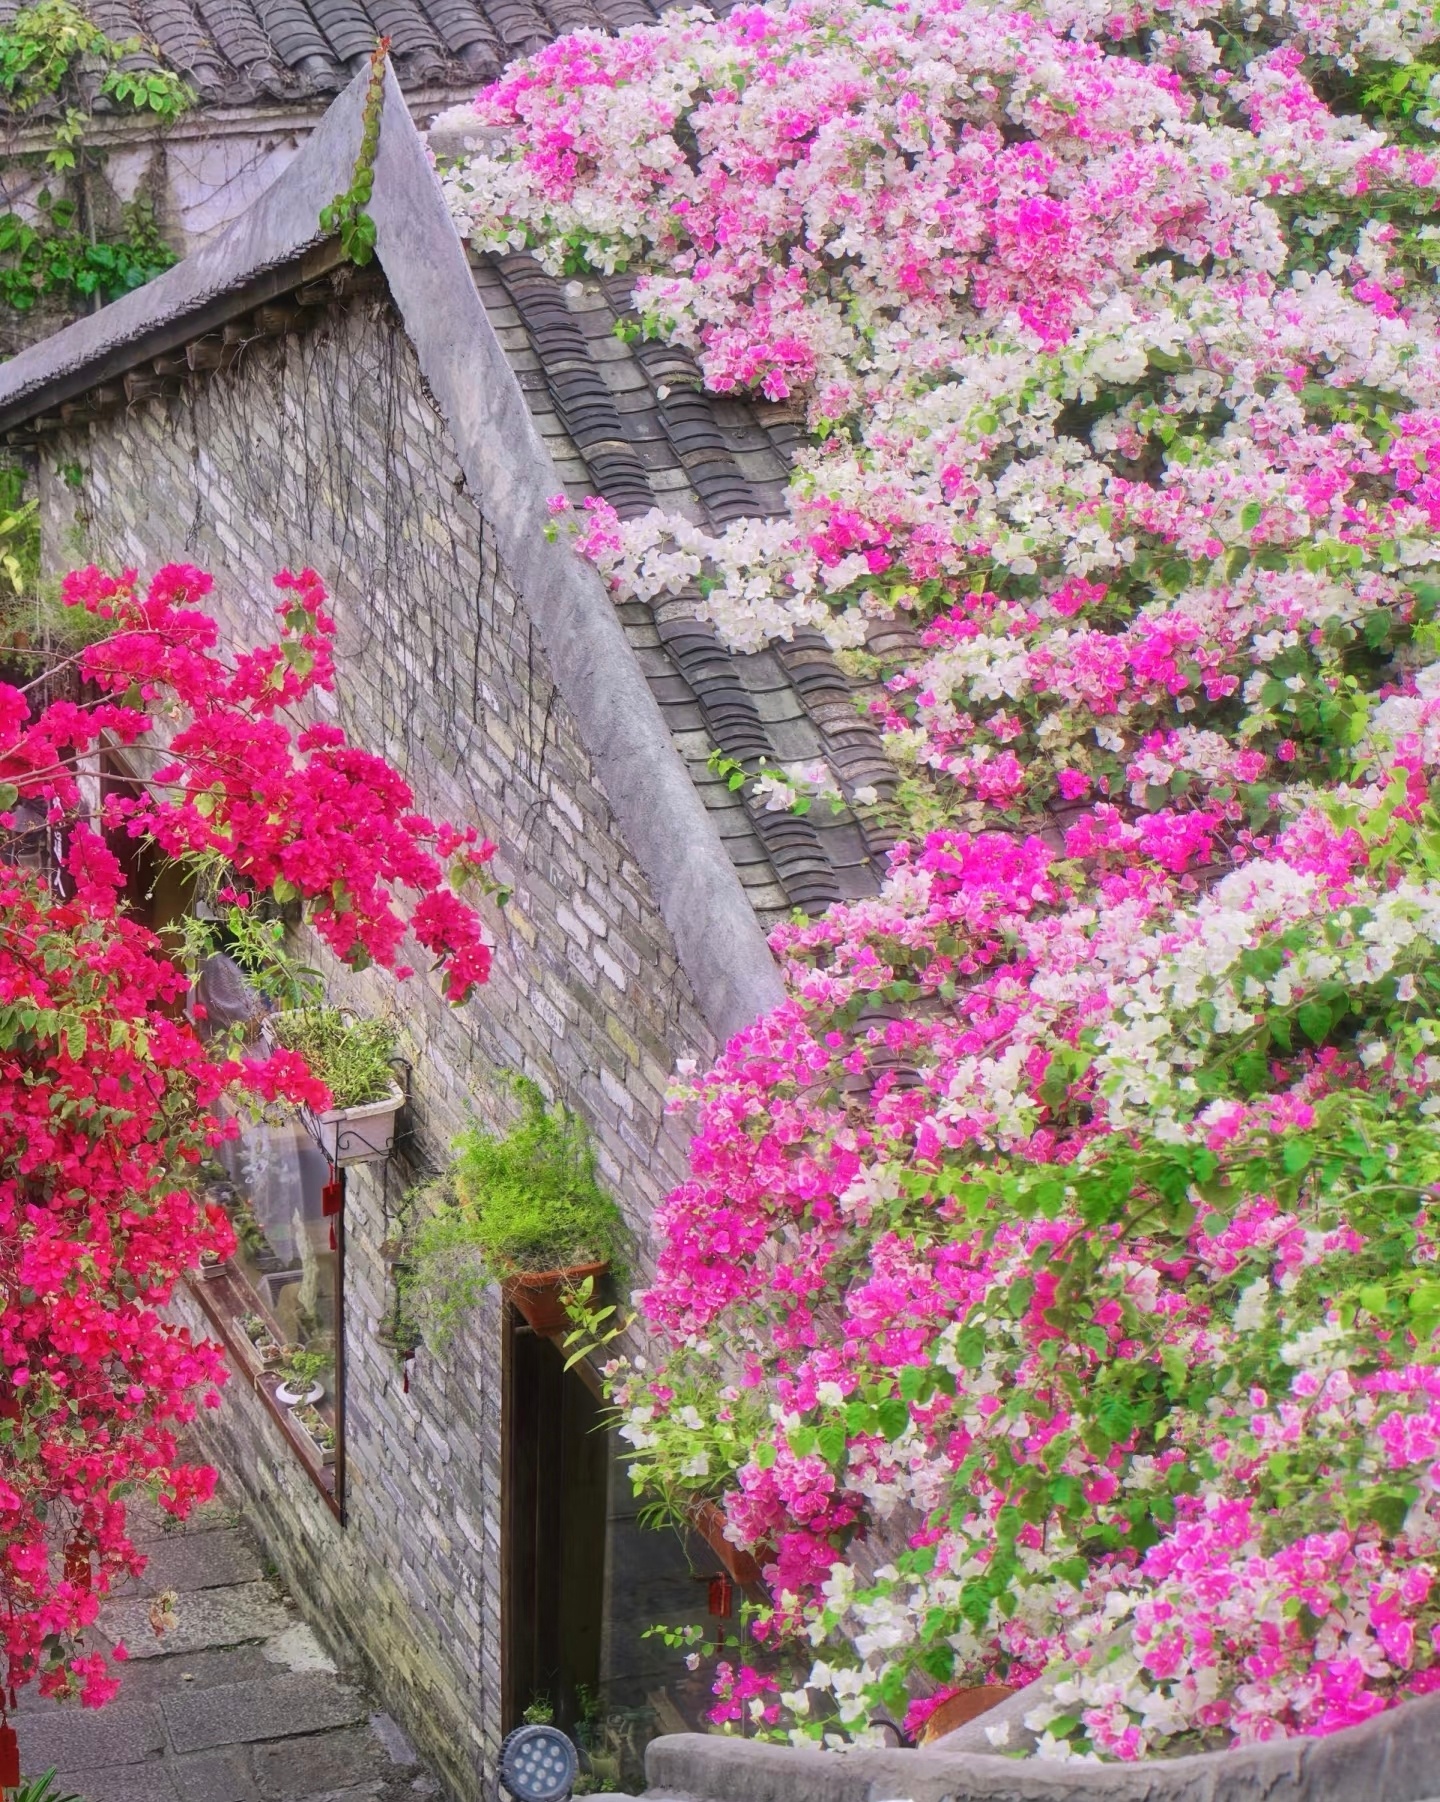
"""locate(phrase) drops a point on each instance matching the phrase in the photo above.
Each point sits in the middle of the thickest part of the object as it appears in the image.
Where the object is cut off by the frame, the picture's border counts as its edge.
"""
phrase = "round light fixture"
(538, 1764)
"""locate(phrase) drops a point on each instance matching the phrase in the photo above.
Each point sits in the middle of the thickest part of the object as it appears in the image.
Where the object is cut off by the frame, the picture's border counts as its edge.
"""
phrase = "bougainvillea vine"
(1056, 1286)
(108, 1097)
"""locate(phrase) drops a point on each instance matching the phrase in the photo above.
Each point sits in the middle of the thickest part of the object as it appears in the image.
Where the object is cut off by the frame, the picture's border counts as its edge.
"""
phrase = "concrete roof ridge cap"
(665, 824)
(281, 225)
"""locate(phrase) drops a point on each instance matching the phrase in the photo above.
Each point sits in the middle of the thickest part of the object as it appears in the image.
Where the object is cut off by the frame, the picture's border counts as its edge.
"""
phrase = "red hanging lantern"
(332, 1200)
(9, 1757)
(77, 1561)
(722, 1597)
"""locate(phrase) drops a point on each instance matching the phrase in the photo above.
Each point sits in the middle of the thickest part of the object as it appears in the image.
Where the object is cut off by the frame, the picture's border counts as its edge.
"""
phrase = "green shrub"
(523, 1200)
(42, 1789)
(351, 1057)
(302, 1369)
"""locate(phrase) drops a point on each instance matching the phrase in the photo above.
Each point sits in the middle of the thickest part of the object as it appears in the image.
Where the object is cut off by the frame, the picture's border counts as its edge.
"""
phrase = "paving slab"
(389, 1733)
(196, 1561)
(80, 1739)
(205, 1619)
(327, 1763)
(121, 1783)
(272, 1708)
(144, 1680)
(239, 1702)
(364, 1792)
(222, 1776)
(146, 1520)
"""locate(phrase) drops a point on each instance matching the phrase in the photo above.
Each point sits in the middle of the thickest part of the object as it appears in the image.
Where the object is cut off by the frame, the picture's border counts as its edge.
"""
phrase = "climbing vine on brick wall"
(64, 250)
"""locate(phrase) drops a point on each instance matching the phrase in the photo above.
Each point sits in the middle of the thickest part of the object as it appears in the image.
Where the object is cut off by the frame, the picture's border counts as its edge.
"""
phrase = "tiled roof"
(235, 52)
(631, 422)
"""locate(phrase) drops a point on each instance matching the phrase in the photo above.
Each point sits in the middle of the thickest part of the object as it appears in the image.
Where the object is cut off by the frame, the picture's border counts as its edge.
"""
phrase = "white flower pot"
(351, 1135)
(357, 1135)
(296, 1398)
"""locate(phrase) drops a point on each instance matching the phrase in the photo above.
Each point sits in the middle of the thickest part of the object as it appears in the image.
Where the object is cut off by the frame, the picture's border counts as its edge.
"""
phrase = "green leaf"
(832, 1442)
(893, 1417)
(1389, 1510)
(1115, 1417)
(1313, 1018)
(915, 1382)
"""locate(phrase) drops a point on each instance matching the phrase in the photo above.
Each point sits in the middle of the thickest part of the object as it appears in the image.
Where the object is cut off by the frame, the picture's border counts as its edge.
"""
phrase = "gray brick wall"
(325, 450)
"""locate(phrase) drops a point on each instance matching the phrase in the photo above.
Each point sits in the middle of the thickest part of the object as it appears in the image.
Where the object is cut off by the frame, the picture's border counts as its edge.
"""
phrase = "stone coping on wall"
(1393, 1758)
(664, 821)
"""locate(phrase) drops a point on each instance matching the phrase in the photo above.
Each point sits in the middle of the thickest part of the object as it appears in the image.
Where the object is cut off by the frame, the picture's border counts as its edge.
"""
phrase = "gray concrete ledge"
(1393, 1758)
(664, 823)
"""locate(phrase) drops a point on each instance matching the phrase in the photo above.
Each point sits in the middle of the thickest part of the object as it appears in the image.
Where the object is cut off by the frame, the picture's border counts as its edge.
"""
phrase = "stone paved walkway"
(237, 1703)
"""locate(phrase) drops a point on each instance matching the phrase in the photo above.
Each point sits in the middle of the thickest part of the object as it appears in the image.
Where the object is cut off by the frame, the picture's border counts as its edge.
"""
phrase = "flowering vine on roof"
(1071, 1230)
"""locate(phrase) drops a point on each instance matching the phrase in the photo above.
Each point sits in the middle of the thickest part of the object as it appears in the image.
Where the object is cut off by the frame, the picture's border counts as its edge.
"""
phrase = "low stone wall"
(1395, 1758)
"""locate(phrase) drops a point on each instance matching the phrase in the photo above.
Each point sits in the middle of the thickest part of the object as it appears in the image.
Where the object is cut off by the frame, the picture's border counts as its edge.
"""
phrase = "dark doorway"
(555, 1504)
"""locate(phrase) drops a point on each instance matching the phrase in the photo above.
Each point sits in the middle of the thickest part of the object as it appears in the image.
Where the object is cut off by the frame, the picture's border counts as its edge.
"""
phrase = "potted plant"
(267, 1352)
(961, 1707)
(522, 1208)
(302, 1377)
(317, 1430)
(353, 1058)
(211, 1263)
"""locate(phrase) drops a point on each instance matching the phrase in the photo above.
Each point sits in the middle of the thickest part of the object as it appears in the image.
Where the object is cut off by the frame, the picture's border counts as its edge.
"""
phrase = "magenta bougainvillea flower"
(107, 1096)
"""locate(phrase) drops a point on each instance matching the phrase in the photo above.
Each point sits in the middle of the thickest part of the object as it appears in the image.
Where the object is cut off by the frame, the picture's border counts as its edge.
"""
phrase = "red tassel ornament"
(9, 1757)
(77, 1561)
(722, 1597)
(332, 1197)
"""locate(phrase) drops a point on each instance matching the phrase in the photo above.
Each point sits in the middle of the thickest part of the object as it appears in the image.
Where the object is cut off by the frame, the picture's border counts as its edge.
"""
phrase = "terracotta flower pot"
(960, 1709)
(537, 1293)
(709, 1522)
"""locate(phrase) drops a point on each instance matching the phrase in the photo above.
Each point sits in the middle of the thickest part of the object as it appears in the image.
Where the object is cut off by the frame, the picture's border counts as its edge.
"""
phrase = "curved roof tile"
(230, 50)
(186, 45)
(631, 423)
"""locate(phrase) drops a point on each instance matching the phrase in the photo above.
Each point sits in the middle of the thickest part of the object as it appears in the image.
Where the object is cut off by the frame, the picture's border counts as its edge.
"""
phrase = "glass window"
(278, 1301)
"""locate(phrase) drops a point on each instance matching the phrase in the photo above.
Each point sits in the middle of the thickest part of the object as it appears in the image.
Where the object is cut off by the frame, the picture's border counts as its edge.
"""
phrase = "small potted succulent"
(522, 1208)
(317, 1430)
(302, 1377)
(353, 1057)
(211, 1263)
(266, 1351)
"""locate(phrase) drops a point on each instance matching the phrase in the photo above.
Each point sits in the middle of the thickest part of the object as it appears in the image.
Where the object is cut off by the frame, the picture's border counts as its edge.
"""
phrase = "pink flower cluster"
(1067, 1234)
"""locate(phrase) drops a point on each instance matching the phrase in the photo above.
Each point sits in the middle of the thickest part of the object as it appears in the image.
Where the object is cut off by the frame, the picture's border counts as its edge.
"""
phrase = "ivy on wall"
(66, 250)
